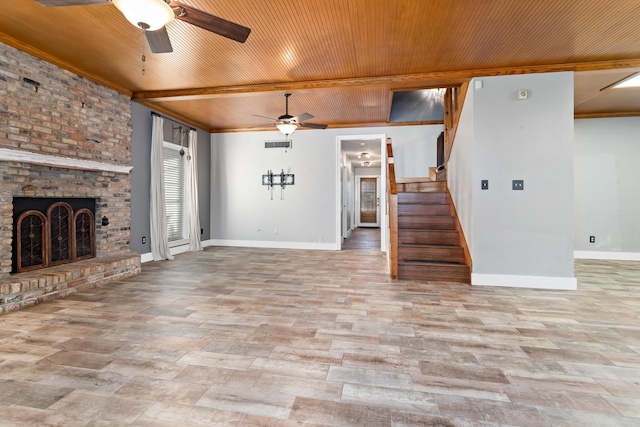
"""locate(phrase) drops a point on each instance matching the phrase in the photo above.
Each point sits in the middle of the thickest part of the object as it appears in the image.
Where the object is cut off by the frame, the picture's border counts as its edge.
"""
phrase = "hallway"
(267, 337)
(363, 238)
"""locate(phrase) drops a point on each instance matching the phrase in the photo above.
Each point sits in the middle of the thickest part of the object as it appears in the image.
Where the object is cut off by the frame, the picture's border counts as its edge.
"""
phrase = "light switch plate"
(517, 184)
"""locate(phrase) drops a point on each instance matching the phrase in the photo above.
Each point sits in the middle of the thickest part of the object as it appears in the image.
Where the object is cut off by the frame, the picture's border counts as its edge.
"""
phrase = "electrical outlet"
(144, 240)
(592, 239)
(484, 184)
(517, 184)
(202, 231)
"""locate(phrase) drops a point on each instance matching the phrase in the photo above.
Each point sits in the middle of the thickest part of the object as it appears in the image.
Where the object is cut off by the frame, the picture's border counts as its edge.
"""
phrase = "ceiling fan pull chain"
(144, 58)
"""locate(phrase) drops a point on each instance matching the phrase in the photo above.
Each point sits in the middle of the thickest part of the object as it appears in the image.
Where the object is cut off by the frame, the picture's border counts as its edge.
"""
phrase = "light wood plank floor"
(258, 337)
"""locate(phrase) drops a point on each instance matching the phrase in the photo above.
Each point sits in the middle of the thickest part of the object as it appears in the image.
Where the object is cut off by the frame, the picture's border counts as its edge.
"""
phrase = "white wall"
(368, 171)
(414, 149)
(242, 207)
(307, 217)
(520, 238)
(607, 200)
(460, 179)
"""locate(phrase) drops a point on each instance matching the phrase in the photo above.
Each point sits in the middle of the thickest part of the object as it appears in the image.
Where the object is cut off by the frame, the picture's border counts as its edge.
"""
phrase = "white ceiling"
(354, 147)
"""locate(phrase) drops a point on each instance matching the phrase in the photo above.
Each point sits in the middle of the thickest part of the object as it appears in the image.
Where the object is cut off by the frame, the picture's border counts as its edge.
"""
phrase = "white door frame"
(382, 137)
(346, 230)
(357, 201)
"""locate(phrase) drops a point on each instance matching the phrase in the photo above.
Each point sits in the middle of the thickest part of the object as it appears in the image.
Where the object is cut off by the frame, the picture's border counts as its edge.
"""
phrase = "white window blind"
(175, 173)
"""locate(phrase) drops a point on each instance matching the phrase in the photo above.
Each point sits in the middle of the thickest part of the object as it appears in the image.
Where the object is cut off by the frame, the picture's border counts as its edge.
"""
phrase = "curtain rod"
(153, 113)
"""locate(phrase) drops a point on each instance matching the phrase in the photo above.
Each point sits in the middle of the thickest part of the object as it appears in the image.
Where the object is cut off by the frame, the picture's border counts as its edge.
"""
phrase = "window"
(175, 178)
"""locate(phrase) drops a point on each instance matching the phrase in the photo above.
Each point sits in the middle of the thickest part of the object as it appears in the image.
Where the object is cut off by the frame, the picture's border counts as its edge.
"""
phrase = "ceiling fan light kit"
(287, 128)
(150, 15)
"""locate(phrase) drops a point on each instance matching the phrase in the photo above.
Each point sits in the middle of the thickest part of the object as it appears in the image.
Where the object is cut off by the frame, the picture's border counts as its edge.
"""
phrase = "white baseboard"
(248, 244)
(176, 250)
(537, 282)
(274, 245)
(146, 257)
(614, 256)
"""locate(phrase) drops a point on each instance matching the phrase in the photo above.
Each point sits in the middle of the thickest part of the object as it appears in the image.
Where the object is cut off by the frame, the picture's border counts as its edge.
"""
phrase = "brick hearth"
(34, 287)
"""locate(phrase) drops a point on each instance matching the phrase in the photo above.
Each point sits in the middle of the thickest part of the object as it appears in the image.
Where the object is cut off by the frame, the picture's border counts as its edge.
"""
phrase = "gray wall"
(241, 205)
(141, 177)
(607, 199)
(530, 232)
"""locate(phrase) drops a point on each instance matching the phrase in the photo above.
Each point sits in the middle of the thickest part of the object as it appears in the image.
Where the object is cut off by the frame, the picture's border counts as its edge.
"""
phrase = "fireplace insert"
(51, 231)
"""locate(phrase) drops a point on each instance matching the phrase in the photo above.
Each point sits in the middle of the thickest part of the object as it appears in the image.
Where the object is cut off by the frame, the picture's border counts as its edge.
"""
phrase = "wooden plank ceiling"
(341, 59)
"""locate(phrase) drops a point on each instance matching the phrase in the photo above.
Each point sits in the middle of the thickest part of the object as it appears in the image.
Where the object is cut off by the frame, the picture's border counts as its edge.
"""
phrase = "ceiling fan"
(287, 124)
(153, 16)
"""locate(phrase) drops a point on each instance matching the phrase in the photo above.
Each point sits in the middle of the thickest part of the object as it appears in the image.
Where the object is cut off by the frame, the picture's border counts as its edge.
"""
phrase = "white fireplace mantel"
(9, 155)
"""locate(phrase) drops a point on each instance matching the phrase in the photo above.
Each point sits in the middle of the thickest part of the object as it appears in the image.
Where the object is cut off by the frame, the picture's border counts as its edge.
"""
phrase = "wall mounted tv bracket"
(282, 179)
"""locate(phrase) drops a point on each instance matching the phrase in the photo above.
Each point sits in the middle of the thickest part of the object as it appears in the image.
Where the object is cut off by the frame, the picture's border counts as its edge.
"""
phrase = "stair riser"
(450, 254)
(458, 274)
(427, 210)
(428, 243)
(426, 223)
(423, 187)
(432, 237)
(424, 198)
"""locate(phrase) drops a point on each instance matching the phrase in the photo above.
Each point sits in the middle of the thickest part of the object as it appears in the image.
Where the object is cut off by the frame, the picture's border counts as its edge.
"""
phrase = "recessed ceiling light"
(631, 81)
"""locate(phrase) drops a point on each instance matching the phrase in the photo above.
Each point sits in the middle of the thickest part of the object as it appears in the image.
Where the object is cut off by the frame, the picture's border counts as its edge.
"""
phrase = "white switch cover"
(478, 84)
(523, 94)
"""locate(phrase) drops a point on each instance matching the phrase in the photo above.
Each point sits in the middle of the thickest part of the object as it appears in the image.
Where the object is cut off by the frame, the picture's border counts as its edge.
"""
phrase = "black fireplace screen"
(58, 235)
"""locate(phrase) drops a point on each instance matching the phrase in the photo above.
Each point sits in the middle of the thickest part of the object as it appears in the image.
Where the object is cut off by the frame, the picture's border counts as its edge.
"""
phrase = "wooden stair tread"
(422, 209)
(453, 264)
(412, 180)
(429, 245)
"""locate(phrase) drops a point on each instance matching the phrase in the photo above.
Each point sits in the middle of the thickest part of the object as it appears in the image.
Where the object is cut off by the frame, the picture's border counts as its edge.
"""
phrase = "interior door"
(369, 202)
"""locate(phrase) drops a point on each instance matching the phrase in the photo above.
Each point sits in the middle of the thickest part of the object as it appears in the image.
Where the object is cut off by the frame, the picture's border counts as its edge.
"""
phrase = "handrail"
(392, 210)
(453, 103)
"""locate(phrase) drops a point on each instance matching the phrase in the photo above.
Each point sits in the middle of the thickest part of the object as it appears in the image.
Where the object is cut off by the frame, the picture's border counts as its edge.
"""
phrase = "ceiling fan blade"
(210, 22)
(265, 117)
(313, 125)
(54, 3)
(159, 41)
(302, 117)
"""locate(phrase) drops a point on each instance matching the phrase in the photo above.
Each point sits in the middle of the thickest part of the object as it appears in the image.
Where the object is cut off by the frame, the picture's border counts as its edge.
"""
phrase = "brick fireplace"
(65, 138)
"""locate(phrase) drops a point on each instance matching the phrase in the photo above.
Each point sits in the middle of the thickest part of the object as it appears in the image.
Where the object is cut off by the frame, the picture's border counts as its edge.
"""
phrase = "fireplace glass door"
(59, 237)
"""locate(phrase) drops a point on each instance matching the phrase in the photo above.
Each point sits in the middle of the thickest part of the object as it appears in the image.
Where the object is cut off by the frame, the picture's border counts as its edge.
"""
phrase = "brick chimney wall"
(66, 116)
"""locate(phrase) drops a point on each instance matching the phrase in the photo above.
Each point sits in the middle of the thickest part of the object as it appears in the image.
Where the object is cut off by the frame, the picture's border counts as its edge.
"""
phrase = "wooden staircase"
(429, 245)
(426, 241)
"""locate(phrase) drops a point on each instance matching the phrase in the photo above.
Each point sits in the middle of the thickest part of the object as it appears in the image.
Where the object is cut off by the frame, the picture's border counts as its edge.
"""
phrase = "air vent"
(277, 144)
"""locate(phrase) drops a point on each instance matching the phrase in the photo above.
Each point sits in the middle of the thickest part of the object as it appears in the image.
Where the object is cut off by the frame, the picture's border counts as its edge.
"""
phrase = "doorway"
(363, 156)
